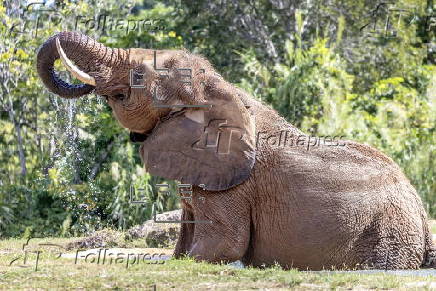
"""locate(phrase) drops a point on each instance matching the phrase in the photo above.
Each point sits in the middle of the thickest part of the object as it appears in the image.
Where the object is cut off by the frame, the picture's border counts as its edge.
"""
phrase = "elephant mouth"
(138, 137)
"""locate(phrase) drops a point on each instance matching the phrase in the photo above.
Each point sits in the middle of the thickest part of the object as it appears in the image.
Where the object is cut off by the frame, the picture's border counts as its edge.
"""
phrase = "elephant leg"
(215, 251)
(227, 237)
(186, 235)
(384, 245)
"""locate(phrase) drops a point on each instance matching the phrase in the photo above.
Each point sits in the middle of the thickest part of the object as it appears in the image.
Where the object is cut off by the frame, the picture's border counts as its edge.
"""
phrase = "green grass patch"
(185, 274)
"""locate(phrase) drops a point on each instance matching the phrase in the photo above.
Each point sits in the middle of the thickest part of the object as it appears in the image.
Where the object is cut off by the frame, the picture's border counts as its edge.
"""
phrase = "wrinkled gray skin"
(340, 207)
(328, 207)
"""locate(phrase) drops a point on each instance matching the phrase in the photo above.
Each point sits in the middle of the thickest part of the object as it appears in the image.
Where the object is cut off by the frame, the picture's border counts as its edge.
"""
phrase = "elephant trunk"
(91, 59)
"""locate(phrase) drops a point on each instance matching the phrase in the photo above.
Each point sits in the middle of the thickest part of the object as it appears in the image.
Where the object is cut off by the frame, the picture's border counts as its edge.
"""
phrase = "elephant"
(259, 194)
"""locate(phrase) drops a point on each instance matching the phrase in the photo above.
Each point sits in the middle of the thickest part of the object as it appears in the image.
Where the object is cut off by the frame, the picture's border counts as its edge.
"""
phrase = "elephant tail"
(430, 254)
(430, 258)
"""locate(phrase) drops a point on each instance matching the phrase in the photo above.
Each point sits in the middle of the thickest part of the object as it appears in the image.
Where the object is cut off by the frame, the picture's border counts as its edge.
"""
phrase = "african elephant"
(259, 196)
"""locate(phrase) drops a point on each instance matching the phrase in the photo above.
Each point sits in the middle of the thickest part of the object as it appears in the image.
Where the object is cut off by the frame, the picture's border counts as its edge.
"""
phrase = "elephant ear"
(213, 147)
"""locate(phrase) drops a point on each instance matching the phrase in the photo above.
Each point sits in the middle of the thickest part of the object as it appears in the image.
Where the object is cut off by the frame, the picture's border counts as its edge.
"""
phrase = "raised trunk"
(87, 54)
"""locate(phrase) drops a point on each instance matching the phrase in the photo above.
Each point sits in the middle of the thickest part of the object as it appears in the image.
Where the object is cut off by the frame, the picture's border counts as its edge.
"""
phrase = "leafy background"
(331, 67)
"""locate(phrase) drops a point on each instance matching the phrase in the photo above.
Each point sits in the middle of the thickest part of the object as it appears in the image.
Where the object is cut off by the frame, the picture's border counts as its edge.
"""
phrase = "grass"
(64, 273)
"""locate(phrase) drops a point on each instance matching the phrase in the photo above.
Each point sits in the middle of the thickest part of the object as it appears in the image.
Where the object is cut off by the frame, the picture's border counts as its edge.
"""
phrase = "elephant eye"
(119, 96)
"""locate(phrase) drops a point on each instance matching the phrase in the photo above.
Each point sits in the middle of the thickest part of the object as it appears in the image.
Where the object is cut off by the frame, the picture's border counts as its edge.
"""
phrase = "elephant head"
(199, 133)
(103, 70)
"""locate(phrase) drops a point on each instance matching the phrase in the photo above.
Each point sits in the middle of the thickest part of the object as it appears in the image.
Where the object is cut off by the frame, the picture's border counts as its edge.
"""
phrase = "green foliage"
(68, 167)
(79, 166)
(314, 90)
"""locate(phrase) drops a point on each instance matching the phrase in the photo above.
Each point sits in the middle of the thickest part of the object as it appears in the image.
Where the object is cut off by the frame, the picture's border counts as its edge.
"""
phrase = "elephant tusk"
(75, 71)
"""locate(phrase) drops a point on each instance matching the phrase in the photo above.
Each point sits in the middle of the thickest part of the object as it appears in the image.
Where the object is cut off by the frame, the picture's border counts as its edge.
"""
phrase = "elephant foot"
(216, 251)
